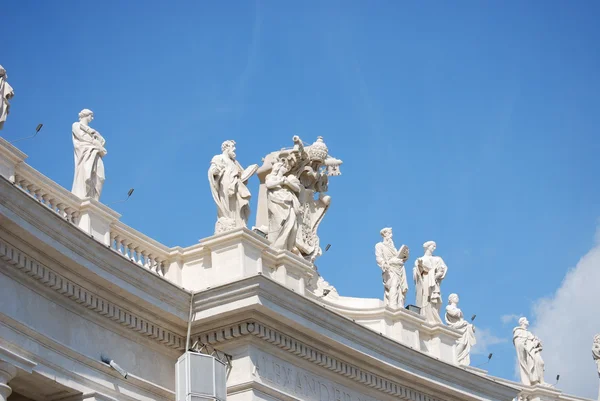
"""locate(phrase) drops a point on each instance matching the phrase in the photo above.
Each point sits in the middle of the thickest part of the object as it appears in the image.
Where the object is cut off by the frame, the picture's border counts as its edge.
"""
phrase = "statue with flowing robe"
(596, 356)
(228, 181)
(428, 273)
(391, 261)
(89, 150)
(454, 318)
(529, 354)
(6, 93)
(283, 205)
(310, 166)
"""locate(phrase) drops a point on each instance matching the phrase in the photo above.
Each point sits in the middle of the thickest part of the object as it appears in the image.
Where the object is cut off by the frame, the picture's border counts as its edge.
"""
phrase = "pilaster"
(7, 373)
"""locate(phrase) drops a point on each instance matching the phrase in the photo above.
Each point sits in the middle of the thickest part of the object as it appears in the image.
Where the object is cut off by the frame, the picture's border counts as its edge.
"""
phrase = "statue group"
(292, 202)
(428, 273)
(292, 198)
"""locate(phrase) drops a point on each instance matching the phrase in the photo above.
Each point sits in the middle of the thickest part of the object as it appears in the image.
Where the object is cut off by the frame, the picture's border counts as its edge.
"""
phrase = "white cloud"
(485, 339)
(567, 322)
(509, 318)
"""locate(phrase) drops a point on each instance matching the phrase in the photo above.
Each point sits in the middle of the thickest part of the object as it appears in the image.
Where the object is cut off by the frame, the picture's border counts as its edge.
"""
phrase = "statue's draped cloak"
(228, 191)
(89, 167)
(455, 319)
(531, 365)
(6, 92)
(394, 278)
(283, 205)
(427, 288)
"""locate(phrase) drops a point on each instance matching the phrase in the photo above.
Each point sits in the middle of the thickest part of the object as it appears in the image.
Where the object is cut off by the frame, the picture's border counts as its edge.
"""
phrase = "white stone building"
(77, 286)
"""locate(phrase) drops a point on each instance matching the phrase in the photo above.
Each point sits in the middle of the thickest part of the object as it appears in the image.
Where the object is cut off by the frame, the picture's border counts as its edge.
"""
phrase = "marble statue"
(283, 204)
(6, 93)
(391, 261)
(228, 181)
(428, 273)
(455, 319)
(310, 167)
(89, 151)
(529, 354)
(596, 355)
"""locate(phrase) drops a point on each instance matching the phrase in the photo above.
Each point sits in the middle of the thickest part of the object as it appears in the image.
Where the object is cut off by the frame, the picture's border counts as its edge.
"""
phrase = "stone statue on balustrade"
(310, 167)
(6, 93)
(529, 354)
(455, 319)
(391, 261)
(228, 181)
(428, 273)
(89, 151)
(596, 356)
(283, 204)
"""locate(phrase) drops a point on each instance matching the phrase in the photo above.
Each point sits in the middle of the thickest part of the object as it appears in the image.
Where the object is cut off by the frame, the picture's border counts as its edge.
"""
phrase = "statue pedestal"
(10, 157)
(96, 220)
(540, 393)
(241, 253)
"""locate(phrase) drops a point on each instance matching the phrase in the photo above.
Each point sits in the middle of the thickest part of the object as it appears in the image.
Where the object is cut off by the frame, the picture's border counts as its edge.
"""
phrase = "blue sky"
(471, 123)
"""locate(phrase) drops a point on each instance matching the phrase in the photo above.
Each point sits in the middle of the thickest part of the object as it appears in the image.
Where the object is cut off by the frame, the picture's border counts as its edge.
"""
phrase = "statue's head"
(386, 232)
(228, 147)
(429, 246)
(453, 299)
(86, 116)
(597, 339)
(523, 322)
(2, 72)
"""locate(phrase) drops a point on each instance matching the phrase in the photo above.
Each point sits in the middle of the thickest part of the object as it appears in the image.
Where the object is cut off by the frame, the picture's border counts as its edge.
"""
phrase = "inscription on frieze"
(301, 383)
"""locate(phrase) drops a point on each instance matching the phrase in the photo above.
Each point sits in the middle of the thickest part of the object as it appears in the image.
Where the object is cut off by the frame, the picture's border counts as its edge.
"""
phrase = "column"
(7, 373)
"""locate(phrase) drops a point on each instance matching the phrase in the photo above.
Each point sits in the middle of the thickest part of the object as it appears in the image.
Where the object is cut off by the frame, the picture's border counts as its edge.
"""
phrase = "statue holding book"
(391, 261)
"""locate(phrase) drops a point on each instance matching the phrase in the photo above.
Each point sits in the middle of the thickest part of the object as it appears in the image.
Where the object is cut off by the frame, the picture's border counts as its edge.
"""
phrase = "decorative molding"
(16, 360)
(69, 289)
(315, 356)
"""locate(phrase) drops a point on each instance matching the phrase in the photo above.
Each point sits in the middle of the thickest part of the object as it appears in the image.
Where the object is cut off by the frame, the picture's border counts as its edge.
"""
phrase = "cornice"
(265, 300)
(311, 354)
(35, 224)
(16, 360)
(87, 298)
(40, 364)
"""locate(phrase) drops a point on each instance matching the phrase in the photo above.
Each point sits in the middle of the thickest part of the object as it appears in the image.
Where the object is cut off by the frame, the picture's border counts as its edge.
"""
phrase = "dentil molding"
(300, 349)
(82, 296)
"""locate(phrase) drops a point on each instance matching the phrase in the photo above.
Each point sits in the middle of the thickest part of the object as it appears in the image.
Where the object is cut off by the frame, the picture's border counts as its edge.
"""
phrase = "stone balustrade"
(139, 248)
(91, 216)
(48, 193)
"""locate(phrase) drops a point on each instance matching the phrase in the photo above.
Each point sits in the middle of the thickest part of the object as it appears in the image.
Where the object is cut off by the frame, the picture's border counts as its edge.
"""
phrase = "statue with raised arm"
(529, 354)
(456, 320)
(596, 356)
(428, 273)
(6, 93)
(391, 261)
(89, 151)
(227, 181)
